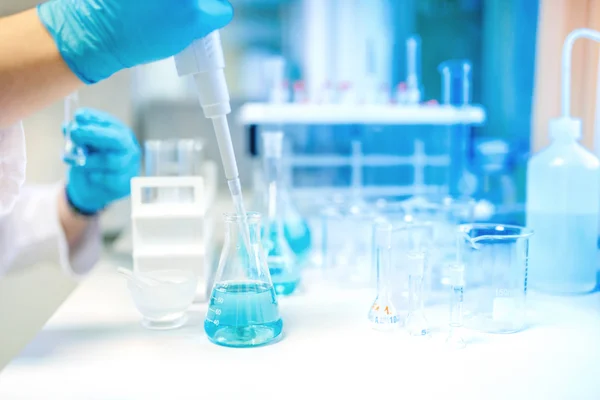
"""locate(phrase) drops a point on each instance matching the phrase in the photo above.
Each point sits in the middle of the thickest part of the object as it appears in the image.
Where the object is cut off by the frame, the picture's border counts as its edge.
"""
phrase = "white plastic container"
(563, 192)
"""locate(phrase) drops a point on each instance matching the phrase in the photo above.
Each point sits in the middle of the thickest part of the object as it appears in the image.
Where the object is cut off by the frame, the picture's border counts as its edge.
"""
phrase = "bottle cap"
(565, 127)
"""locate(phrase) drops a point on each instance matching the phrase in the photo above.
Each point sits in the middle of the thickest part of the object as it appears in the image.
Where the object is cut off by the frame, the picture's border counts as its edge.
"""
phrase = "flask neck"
(234, 231)
(273, 193)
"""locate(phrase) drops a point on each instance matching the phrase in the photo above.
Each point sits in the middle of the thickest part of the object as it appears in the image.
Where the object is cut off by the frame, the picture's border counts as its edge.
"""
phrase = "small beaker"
(172, 157)
(348, 245)
(496, 261)
(163, 295)
(243, 309)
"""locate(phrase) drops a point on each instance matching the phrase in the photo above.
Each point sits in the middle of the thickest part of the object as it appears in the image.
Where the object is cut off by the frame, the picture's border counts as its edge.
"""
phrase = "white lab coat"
(31, 233)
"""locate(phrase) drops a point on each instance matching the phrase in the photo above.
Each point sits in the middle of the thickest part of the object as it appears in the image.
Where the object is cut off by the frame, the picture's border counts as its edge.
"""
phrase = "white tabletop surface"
(95, 349)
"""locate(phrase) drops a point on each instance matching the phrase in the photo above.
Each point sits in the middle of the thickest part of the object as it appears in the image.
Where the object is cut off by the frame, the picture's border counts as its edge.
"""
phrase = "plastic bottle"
(563, 190)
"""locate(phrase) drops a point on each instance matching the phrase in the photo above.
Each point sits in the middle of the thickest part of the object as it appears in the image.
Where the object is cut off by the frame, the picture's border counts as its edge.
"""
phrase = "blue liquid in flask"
(243, 314)
(297, 233)
(285, 274)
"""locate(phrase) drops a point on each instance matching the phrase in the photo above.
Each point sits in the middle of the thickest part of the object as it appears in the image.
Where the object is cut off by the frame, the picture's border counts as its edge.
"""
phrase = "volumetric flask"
(384, 315)
(72, 154)
(402, 256)
(172, 157)
(495, 259)
(243, 309)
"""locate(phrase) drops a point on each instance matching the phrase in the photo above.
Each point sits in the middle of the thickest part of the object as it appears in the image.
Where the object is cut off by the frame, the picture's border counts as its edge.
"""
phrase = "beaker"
(243, 309)
(282, 261)
(496, 262)
(347, 245)
(72, 154)
(163, 295)
(172, 157)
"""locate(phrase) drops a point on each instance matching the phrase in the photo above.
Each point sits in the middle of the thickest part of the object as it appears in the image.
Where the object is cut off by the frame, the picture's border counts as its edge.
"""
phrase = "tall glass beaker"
(243, 309)
(496, 261)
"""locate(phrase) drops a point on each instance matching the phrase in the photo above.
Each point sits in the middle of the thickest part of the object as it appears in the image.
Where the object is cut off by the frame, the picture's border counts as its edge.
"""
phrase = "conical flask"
(296, 228)
(243, 309)
(282, 261)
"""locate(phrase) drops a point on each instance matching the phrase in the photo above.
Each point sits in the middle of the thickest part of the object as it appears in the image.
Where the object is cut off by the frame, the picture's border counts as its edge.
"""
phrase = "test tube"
(72, 154)
(416, 322)
(456, 82)
(413, 69)
(174, 157)
(455, 324)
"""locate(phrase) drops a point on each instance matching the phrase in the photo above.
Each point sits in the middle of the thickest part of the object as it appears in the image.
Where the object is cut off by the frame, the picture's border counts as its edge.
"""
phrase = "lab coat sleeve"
(32, 233)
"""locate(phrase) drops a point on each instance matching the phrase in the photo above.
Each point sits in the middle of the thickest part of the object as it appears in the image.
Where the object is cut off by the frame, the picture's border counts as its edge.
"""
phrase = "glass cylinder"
(243, 309)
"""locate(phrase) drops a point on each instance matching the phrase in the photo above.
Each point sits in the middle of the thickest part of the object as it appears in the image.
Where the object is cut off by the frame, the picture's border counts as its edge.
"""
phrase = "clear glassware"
(243, 310)
(496, 269)
(172, 157)
(296, 228)
(72, 154)
(162, 295)
(456, 82)
(416, 321)
(384, 315)
(282, 261)
(455, 338)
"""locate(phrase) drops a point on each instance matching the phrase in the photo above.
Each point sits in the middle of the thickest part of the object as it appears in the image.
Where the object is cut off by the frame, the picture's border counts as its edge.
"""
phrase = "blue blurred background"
(342, 44)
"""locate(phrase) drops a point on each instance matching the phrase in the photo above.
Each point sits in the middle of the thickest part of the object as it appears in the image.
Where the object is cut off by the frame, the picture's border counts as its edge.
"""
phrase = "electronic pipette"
(204, 60)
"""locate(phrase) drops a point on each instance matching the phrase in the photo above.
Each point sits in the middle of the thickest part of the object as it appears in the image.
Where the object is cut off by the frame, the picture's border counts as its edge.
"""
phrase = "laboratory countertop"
(94, 348)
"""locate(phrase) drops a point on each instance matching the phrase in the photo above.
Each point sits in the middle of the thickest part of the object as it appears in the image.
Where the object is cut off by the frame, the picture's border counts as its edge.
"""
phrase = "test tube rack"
(426, 125)
(174, 233)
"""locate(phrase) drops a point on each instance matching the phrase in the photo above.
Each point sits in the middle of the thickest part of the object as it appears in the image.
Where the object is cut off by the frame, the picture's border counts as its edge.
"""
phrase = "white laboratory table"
(95, 349)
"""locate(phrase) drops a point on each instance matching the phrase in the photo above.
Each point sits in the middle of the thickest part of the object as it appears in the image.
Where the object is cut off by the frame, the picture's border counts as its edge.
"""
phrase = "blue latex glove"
(100, 37)
(113, 158)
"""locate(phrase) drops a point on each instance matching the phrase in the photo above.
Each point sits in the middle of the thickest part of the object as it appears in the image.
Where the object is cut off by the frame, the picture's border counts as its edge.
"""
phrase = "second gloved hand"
(97, 38)
(113, 159)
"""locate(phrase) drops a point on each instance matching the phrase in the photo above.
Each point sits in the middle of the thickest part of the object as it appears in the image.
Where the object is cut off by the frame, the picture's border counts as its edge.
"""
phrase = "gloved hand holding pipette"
(113, 159)
(50, 51)
(100, 37)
